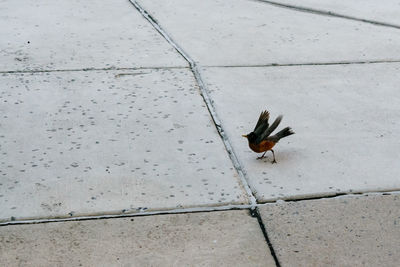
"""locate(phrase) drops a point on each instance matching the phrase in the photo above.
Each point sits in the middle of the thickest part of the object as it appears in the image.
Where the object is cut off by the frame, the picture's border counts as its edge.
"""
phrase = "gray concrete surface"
(385, 12)
(244, 32)
(100, 115)
(230, 238)
(54, 35)
(346, 125)
(343, 231)
(79, 143)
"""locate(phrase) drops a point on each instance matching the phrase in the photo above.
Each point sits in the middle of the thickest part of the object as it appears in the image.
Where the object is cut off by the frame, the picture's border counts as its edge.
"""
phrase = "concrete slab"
(345, 231)
(77, 143)
(242, 32)
(387, 12)
(345, 118)
(230, 238)
(60, 34)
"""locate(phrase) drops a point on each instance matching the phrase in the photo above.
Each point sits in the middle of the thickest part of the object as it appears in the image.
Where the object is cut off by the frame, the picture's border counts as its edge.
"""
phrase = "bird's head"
(251, 136)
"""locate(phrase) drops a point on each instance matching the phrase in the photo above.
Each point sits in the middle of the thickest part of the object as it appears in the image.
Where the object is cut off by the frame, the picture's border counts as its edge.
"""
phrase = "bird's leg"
(274, 161)
(262, 155)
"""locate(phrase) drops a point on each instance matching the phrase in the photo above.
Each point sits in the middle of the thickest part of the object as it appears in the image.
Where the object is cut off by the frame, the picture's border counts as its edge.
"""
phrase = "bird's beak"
(244, 135)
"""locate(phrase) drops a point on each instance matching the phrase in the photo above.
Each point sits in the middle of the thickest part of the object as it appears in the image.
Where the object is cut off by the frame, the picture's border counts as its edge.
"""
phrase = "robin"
(260, 139)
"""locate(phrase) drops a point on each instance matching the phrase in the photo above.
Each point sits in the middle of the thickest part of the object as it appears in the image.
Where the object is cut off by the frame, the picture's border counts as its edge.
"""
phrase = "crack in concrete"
(256, 213)
(331, 195)
(129, 215)
(89, 69)
(328, 13)
(303, 64)
(204, 93)
(206, 66)
(251, 208)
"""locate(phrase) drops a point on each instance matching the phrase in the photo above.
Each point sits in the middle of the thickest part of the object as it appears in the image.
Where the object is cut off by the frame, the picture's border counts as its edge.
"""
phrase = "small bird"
(260, 139)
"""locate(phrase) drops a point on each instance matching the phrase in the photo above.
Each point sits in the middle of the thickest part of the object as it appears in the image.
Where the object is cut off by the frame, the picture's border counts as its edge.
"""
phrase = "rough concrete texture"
(75, 143)
(344, 231)
(100, 115)
(385, 12)
(77, 34)
(242, 32)
(345, 119)
(230, 238)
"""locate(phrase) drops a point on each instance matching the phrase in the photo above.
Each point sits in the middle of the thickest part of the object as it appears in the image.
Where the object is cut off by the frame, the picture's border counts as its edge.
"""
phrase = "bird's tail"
(283, 133)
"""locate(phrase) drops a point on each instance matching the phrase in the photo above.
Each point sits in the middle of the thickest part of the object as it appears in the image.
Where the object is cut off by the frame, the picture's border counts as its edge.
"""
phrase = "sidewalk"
(120, 133)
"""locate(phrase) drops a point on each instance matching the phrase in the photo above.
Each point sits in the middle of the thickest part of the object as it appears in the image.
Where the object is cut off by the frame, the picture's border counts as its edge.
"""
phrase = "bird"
(260, 139)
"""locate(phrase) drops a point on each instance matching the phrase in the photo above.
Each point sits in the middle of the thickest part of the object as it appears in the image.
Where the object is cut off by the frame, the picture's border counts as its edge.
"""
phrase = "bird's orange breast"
(262, 147)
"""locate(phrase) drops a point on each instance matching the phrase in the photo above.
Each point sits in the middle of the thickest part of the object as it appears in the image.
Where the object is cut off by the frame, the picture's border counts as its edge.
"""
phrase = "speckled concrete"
(76, 143)
(230, 238)
(386, 12)
(47, 34)
(243, 32)
(100, 115)
(345, 119)
(345, 231)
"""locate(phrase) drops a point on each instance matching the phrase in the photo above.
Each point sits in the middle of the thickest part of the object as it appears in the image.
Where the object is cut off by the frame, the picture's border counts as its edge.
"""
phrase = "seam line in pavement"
(206, 98)
(332, 195)
(209, 66)
(304, 64)
(256, 213)
(130, 215)
(91, 69)
(328, 13)
(188, 210)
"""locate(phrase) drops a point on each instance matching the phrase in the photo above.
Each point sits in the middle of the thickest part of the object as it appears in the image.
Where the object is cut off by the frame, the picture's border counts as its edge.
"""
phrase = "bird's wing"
(261, 126)
(262, 123)
(271, 128)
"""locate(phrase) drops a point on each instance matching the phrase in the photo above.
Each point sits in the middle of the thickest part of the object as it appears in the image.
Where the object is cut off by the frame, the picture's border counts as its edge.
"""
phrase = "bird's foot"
(262, 156)
(274, 161)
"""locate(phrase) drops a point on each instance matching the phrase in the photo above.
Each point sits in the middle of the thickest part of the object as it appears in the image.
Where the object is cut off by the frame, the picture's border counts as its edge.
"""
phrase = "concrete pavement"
(342, 231)
(345, 122)
(104, 121)
(242, 33)
(192, 239)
